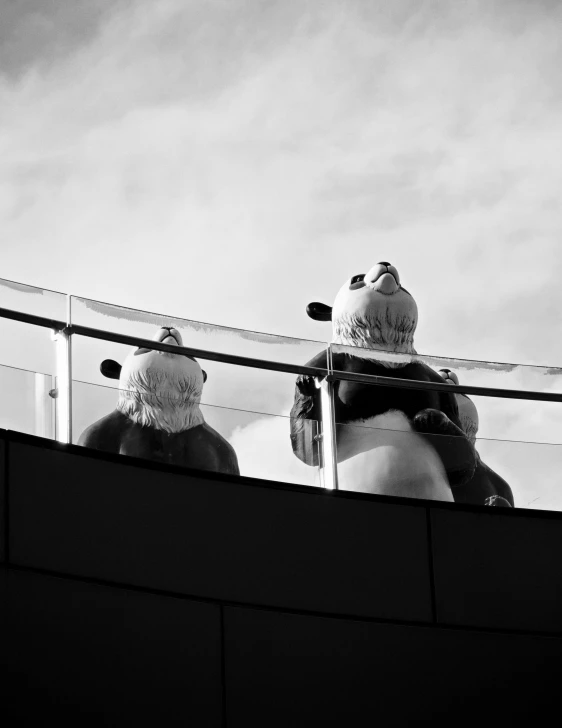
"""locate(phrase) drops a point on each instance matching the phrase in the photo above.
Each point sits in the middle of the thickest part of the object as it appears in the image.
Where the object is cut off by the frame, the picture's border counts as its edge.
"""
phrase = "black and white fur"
(391, 441)
(158, 413)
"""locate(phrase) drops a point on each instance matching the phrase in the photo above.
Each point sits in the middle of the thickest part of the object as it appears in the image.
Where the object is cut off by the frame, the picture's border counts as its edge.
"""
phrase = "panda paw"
(306, 385)
(453, 447)
(434, 422)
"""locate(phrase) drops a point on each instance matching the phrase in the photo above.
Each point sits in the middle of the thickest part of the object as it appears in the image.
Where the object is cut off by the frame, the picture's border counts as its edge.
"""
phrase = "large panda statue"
(485, 485)
(158, 414)
(390, 440)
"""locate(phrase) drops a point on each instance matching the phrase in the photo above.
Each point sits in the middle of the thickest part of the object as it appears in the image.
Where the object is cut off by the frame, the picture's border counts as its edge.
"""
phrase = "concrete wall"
(134, 592)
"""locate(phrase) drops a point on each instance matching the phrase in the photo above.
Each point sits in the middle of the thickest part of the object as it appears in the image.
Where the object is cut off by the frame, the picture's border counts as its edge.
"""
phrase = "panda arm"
(442, 428)
(447, 400)
(305, 414)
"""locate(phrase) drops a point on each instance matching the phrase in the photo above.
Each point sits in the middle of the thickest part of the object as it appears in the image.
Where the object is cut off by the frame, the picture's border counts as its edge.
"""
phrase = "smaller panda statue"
(158, 415)
(492, 489)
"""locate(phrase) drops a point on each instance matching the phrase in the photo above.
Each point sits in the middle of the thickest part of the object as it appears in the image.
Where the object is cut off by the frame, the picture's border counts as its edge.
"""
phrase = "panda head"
(468, 413)
(159, 389)
(372, 310)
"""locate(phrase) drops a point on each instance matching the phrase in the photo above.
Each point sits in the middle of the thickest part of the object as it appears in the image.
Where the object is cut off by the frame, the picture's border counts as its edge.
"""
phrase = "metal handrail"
(29, 318)
(244, 361)
(320, 372)
(377, 380)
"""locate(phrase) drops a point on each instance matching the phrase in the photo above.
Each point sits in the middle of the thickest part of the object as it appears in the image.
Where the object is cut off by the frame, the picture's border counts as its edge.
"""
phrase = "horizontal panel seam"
(219, 603)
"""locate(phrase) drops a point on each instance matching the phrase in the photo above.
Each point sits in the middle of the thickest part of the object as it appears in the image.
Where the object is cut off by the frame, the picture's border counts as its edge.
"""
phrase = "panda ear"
(204, 376)
(319, 311)
(110, 369)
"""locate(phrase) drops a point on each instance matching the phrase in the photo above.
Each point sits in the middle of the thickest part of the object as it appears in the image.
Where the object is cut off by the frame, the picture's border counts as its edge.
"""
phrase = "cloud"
(264, 451)
(34, 32)
(226, 153)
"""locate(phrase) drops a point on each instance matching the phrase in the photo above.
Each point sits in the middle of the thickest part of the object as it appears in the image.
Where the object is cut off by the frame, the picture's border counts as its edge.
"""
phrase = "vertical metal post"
(63, 343)
(328, 440)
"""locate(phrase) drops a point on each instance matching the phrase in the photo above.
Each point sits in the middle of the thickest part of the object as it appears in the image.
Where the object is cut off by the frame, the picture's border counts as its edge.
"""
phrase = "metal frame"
(332, 375)
(328, 416)
(254, 363)
(325, 377)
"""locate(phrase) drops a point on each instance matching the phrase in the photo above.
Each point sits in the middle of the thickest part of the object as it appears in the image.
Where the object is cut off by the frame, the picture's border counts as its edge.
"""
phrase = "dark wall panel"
(4, 633)
(288, 670)
(90, 655)
(2, 502)
(243, 543)
(498, 571)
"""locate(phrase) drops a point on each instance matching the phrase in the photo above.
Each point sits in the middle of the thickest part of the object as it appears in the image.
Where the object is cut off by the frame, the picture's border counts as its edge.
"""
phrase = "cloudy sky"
(230, 160)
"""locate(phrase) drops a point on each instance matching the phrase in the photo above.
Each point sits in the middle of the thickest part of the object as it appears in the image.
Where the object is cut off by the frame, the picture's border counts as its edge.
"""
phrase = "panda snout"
(384, 277)
(169, 335)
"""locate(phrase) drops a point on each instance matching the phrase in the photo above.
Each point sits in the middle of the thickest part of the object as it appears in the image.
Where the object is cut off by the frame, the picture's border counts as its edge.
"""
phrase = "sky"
(229, 161)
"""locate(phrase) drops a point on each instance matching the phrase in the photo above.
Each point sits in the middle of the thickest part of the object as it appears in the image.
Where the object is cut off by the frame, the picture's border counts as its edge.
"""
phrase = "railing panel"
(261, 441)
(28, 402)
(32, 300)
(389, 461)
(518, 438)
(514, 378)
(28, 361)
(258, 401)
(196, 334)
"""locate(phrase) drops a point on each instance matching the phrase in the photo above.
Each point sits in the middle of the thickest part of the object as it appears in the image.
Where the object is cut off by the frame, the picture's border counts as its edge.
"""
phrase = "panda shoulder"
(104, 434)
(228, 457)
(320, 360)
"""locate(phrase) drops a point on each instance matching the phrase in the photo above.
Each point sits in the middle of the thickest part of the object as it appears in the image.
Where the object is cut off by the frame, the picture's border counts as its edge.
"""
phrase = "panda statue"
(158, 414)
(389, 440)
(490, 487)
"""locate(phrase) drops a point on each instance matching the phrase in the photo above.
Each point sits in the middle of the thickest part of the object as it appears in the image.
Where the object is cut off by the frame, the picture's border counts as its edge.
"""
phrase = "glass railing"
(32, 300)
(28, 346)
(28, 362)
(198, 335)
(231, 386)
(28, 402)
(398, 459)
(259, 440)
(247, 397)
(508, 418)
(384, 461)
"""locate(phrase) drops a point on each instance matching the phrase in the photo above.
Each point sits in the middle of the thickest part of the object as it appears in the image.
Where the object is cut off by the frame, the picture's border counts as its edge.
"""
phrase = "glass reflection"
(196, 334)
(32, 300)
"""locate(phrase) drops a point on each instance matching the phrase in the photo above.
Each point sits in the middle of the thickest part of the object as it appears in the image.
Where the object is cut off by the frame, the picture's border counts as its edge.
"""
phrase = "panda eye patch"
(357, 281)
